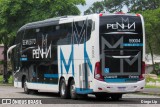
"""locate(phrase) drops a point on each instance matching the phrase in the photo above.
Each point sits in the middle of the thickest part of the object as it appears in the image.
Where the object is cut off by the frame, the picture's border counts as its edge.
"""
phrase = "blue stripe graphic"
(119, 80)
(83, 91)
(42, 83)
(133, 44)
(86, 58)
(23, 59)
(67, 65)
(51, 75)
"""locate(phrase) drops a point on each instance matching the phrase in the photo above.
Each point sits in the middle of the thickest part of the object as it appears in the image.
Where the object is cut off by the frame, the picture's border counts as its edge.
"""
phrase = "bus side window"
(82, 31)
(64, 34)
(29, 38)
(29, 43)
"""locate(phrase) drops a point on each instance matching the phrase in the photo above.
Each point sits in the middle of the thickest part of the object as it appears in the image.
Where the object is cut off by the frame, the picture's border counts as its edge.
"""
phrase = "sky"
(89, 3)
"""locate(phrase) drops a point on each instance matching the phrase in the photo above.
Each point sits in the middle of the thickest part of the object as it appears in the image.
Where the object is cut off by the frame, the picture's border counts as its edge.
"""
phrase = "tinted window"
(17, 51)
(82, 31)
(19, 37)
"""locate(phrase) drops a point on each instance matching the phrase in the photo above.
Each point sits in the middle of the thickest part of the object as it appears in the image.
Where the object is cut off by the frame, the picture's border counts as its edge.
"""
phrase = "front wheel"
(26, 90)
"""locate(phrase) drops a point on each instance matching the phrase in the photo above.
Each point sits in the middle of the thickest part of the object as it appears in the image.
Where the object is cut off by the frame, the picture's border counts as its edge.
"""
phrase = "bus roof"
(55, 21)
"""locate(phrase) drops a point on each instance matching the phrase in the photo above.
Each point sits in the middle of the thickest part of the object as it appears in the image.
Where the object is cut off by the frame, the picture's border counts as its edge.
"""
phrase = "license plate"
(121, 88)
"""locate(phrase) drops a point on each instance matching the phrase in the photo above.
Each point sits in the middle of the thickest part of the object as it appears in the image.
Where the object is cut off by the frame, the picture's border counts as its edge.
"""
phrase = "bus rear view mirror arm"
(14, 73)
(9, 50)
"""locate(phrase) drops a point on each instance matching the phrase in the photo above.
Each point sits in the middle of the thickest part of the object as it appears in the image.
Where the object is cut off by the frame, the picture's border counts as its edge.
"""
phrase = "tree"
(96, 7)
(15, 13)
(132, 5)
(152, 22)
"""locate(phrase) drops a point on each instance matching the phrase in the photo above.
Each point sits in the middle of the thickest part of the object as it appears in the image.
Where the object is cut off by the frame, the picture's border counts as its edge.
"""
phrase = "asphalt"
(146, 91)
(151, 91)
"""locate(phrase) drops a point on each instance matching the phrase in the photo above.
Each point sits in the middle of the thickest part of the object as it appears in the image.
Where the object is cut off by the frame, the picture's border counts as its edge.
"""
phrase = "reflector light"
(99, 88)
(119, 13)
(138, 15)
(100, 14)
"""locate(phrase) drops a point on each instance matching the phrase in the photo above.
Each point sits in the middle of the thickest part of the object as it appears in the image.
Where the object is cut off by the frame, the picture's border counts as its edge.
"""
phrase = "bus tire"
(116, 97)
(72, 89)
(63, 89)
(26, 90)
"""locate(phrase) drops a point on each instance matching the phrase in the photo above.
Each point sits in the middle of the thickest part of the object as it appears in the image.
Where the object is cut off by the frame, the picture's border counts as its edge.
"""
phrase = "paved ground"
(152, 91)
(133, 99)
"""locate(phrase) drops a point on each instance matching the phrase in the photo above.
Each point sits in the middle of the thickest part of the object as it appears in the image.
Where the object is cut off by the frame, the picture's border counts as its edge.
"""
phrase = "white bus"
(100, 54)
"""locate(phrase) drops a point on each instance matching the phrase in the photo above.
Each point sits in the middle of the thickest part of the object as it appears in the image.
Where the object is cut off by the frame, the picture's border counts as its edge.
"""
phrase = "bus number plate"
(121, 88)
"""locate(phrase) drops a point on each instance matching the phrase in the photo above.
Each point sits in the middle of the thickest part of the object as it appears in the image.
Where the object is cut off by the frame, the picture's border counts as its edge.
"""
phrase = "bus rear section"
(121, 66)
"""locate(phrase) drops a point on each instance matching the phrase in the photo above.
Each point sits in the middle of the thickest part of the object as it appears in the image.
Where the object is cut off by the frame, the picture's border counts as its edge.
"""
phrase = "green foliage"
(152, 22)
(1, 79)
(117, 5)
(96, 7)
(10, 79)
(149, 79)
(150, 86)
(114, 5)
(15, 13)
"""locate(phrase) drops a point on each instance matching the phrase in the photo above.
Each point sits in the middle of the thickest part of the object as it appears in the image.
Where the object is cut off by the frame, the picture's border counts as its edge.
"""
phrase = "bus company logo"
(29, 42)
(44, 51)
(125, 25)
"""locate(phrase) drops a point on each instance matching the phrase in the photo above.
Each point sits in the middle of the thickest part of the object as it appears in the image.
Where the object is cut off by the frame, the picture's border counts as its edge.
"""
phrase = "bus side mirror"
(10, 50)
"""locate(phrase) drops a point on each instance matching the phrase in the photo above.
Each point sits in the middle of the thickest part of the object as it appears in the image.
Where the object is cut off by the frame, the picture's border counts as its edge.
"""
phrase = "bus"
(100, 54)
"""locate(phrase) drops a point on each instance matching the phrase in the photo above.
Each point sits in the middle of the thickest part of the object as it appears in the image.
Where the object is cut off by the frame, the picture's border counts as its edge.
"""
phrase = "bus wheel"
(72, 89)
(116, 97)
(63, 89)
(26, 90)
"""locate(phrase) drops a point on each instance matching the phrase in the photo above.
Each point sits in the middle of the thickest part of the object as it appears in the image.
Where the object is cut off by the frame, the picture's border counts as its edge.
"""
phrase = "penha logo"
(44, 51)
(125, 25)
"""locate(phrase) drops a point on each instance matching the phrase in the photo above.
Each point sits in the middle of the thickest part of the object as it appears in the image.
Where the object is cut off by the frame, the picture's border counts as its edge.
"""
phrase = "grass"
(10, 81)
(149, 79)
(1, 78)
(150, 86)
